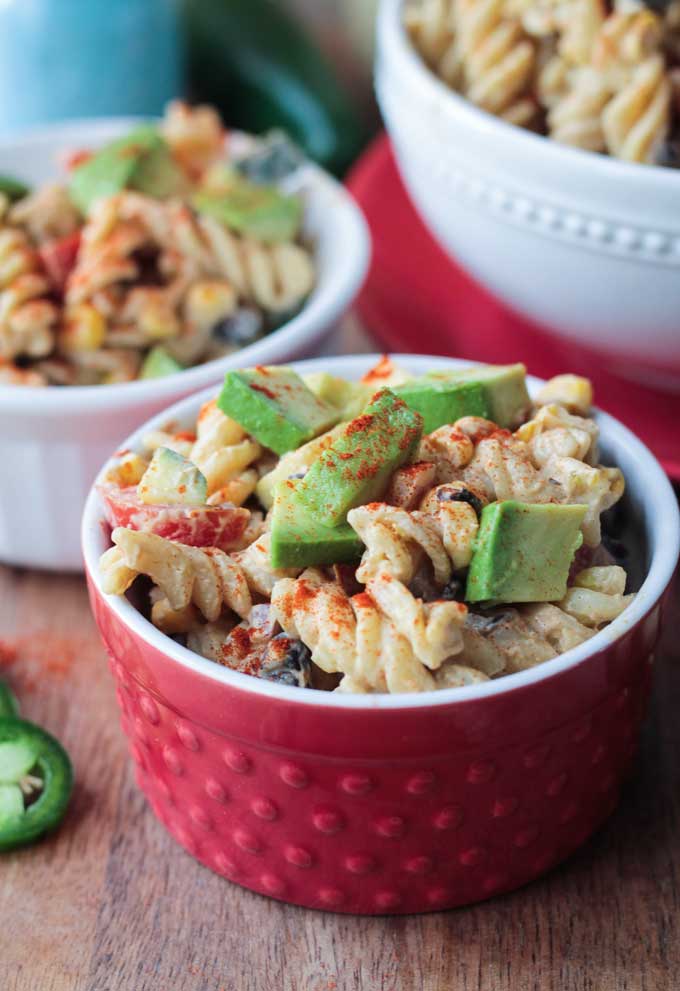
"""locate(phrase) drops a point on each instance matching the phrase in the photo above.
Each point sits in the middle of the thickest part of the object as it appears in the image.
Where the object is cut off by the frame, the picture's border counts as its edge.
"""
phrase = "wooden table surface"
(112, 903)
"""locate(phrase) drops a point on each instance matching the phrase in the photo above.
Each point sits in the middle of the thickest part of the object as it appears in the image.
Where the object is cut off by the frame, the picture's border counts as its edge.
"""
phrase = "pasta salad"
(597, 74)
(169, 247)
(399, 534)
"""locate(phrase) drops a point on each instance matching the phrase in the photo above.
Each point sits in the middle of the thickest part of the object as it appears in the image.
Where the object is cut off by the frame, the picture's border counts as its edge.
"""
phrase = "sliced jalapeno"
(8, 703)
(36, 779)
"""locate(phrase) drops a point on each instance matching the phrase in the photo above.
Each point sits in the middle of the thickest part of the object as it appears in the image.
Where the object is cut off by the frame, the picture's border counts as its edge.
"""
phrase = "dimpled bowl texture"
(53, 440)
(586, 245)
(389, 804)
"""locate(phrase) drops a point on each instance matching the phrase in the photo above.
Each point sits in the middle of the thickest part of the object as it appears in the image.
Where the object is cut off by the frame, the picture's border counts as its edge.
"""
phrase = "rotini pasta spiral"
(597, 488)
(555, 432)
(205, 576)
(497, 58)
(636, 121)
(603, 76)
(224, 453)
(597, 596)
(46, 213)
(433, 629)
(396, 542)
(27, 317)
(360, 639)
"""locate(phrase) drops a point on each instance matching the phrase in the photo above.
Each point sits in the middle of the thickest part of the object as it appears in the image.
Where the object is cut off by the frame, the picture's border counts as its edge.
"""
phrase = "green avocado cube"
(141, 160)
(442, 402)
(275, 406)
(158, 363)
(299, 540)
(172, 480)
(260, 212)
(523, 552)
(504, 388)
(357, 467)
(295, 463)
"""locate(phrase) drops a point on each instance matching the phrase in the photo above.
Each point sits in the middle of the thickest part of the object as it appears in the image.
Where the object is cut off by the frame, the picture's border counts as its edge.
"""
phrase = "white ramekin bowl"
(389, 803)
(587, 245)
(53, 440)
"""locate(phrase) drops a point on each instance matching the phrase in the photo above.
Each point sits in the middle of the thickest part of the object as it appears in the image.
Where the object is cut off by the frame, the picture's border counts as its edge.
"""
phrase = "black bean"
(450, 494)
(241, 328)
(287, 661)
(283, 676)
(454, 591)
(297, 474)
(486, 624)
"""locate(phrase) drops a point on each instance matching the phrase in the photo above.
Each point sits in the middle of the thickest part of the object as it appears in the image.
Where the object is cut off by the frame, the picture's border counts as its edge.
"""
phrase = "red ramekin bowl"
(390, 803)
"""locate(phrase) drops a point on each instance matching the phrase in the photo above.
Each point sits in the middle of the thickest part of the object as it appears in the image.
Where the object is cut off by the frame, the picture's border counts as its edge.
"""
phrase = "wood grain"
(111, 903)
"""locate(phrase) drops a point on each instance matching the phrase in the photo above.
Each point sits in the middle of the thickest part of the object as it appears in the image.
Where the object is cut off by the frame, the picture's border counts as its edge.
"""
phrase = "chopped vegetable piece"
(197, 526)
(504, 388)
(36, 779)
(441, 403)
(158, 363)
(523, 552)
(172, 480)
(300, 541)
(275, 406)
(59, 258)
(140, 160)
(261, 212)
(358, 466)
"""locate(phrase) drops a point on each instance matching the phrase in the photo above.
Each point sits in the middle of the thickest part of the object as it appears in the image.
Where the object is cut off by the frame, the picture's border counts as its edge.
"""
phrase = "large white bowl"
(53, 440)
(585, 244)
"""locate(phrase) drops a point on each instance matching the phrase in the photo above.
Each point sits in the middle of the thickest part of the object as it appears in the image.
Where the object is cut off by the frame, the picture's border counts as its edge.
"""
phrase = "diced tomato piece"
(75, 158)
(59, 258)
(198, 526)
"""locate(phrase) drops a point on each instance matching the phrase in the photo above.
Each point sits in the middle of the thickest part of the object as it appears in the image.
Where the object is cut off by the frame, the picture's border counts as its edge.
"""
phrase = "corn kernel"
(571, 391)
(158, 321)
(129, 470)
(209, 302)
(84, 329)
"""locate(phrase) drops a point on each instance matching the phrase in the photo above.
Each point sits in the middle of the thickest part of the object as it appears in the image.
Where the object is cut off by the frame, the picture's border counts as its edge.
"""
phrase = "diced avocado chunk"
(523, 552)
(260, 212)
(349, 397)
(442, 402)
(294, 463)
(299, 540)
(13, 188)
(504, 387)
(330, 388)
(159, 363)
(172, 480)
(275, 406)
(141, 160)
(357, 467)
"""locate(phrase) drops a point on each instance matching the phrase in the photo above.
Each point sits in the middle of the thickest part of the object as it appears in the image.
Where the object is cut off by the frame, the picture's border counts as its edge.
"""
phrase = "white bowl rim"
(660, 500)
(331, 296)
(409, 65)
